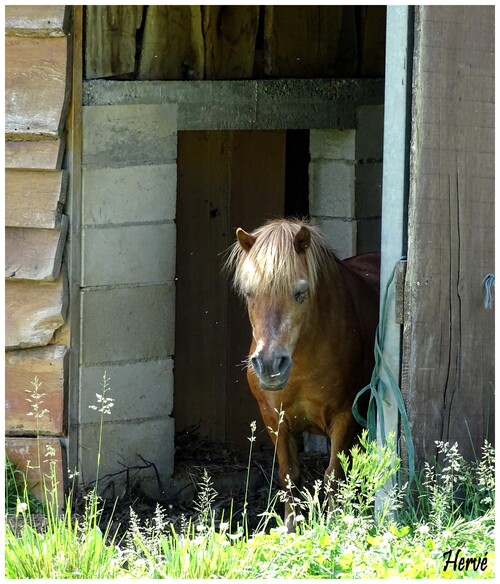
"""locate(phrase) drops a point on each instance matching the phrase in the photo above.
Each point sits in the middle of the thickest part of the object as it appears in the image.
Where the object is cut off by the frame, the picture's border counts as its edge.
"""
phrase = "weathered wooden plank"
(49, 365)
(37, 457)
(34, 198)
(301, 41)
(36, 20)
(34, 311)
(34, 254)
(110, 42)
(172, 46)
(46, 154)
(36, 86)
(204, 185)
(229, 34)
(448, 334)
(62, 336)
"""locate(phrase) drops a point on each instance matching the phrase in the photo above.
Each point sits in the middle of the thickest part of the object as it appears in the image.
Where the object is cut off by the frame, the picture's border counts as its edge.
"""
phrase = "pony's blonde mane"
(272, 266)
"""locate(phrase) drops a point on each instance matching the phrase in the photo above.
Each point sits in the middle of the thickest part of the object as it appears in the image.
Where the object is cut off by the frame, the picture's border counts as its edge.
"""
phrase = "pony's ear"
(302, 239)
(246, 240)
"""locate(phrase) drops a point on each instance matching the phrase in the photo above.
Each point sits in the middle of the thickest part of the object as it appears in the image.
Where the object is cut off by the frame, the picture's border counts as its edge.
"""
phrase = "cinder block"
(332, 144)
(140, 390)
(331, 188)
(341, 235)
(369, 190)
(369, 132)
(128, 254)
(123, 445)
(129, 195)
(129, 135)
(124, 324)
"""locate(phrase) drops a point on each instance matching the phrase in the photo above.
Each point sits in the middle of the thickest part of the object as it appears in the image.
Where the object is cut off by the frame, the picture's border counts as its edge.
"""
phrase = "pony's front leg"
(287, 451)
(285, 443)
(343, 432)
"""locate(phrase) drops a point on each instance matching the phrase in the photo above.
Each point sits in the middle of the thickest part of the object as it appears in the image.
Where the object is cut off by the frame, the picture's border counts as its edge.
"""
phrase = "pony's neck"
(334, 297)
(332, 308)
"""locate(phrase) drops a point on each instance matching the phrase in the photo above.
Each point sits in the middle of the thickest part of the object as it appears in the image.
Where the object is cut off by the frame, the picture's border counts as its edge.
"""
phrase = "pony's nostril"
(281, 365)
(274, 368)
(256, 364)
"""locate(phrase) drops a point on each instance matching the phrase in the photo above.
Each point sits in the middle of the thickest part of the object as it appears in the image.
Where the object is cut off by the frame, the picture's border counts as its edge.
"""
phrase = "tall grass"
(452, 511)
(65, 547)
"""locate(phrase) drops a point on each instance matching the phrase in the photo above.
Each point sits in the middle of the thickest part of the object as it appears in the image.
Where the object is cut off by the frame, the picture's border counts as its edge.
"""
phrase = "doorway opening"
(225, 179)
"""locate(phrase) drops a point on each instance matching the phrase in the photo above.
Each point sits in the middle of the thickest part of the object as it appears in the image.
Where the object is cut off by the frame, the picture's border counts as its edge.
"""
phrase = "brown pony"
(313, 323)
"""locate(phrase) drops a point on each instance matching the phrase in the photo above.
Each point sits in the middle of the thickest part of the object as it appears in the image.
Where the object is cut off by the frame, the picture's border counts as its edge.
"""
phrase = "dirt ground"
(228, 472)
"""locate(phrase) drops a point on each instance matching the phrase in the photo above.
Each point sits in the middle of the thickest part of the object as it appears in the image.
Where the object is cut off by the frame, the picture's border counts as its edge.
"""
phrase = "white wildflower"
(21, 507)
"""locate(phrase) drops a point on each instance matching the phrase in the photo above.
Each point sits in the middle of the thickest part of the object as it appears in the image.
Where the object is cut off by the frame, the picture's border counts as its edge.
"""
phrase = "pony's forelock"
(272, 266)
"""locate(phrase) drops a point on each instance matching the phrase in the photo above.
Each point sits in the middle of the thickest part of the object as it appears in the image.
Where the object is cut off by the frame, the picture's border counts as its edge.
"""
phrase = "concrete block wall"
(332, 187)
(369, 155)
(345, 182)
(129, 194)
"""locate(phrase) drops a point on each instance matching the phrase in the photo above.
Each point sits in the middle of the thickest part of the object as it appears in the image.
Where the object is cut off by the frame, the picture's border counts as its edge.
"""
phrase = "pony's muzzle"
(273, 372)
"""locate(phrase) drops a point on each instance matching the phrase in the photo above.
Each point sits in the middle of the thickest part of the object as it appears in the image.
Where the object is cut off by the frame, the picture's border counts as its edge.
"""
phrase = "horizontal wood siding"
(43, 154)
(37, 66)
(39, 459)
(36, 88)
(36, 20)
(34, 198)
(34, 311)
(34, 254)
(48, 364)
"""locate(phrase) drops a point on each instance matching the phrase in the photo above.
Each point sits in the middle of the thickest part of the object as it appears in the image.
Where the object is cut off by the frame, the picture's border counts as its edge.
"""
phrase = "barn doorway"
(225, 179)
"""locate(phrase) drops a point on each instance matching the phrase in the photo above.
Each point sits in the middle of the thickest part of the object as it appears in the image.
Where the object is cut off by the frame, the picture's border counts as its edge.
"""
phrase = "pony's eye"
(299, 294)
(248, 294)
(299, 297)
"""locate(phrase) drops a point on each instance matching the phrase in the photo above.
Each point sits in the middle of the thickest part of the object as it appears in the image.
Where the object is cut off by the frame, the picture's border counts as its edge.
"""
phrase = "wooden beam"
(35, 457)
(34, 311)
(36, 20)
(229, 34)
(34, 254)
(110, 42)
(36, 87)
(172, 46)
(34, 198)
(21, 367)
(46, 154)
